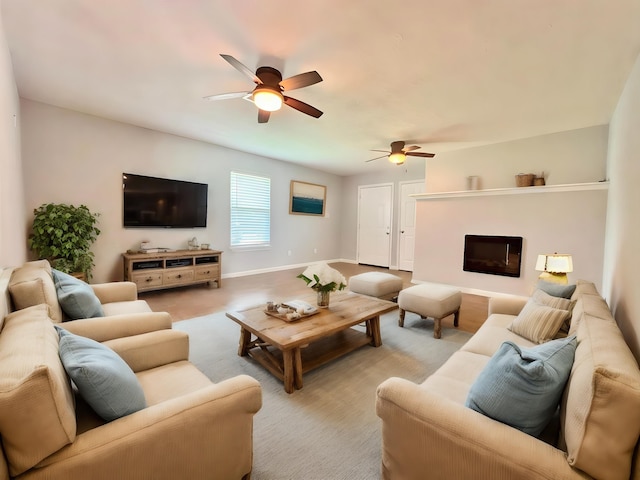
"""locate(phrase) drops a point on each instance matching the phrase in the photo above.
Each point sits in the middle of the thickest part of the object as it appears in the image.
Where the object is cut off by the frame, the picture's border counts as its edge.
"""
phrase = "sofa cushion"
(492, 334)
(584, 287)
(538, 323)
(556, 289)
(76, 297)
(595, 305)
(31, 285)
(522, 387)
(543, 298)
(122, 308)
(103, 379)
(37, 415)
(600, 411)
(168, 381)
(454, 378)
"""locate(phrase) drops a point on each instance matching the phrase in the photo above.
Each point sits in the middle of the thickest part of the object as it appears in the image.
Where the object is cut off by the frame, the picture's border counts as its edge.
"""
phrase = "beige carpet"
(329, 429)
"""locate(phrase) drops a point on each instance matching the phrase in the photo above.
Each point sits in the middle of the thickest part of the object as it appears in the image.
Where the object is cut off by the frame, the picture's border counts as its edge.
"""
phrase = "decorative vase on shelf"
(323, 298)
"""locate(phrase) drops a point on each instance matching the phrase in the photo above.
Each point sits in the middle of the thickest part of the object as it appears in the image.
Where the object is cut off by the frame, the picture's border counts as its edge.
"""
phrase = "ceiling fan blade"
(241, 68)
(301, 80)
(377, 158)
(420, 154)
(226, 96)
(385, 151)
(303, 107)
(410, 148)
(263, 116)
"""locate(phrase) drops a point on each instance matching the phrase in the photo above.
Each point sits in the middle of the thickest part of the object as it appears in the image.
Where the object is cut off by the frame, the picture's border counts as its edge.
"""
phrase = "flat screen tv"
(495, 255)
(163, 203)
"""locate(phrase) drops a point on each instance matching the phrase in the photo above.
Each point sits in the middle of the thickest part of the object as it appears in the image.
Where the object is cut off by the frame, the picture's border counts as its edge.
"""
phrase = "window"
(250, 210)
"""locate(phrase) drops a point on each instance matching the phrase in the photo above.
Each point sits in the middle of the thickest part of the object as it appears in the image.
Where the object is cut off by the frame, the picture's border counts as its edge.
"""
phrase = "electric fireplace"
(492, 254)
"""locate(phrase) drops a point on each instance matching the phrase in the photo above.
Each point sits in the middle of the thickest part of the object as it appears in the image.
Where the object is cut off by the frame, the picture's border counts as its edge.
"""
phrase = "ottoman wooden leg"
(456, 317)
(437, 327)
(401, 318)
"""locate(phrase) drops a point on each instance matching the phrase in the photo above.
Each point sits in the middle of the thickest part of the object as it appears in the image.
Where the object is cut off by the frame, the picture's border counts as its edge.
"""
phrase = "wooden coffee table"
(290, 349)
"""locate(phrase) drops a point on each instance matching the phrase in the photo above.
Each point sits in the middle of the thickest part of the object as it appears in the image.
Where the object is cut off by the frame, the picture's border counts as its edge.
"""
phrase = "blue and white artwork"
(307, 198)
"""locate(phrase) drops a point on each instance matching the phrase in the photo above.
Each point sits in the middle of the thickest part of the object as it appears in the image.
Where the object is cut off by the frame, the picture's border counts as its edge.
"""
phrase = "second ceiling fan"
(268, 94)
(399, 152)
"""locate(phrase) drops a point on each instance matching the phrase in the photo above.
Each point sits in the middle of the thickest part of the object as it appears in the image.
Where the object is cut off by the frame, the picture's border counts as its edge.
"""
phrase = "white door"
(407, 232)
(374, 224)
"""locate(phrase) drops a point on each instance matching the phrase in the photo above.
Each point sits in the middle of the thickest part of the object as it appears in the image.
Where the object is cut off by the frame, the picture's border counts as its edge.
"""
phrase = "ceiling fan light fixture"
(397, 158)
(267, 98)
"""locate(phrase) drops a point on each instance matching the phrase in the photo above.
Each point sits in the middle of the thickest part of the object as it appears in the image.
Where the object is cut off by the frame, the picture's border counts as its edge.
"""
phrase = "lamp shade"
(267, 98)
(555, 263)
(397, 158)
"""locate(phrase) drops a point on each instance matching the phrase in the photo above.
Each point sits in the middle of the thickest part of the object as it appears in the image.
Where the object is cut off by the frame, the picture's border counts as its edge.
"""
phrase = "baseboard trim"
(280, 268)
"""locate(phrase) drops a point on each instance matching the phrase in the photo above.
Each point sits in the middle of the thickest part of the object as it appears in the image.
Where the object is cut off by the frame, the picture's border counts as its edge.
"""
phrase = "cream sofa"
(428, 433)
(190, 427)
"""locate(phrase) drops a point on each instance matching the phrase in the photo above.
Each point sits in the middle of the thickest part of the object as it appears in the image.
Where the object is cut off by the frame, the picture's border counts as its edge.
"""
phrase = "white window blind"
(250, 210)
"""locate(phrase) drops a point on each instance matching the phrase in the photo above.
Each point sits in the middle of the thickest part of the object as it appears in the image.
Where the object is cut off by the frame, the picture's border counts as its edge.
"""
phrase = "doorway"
(407, 227)
(374, 224)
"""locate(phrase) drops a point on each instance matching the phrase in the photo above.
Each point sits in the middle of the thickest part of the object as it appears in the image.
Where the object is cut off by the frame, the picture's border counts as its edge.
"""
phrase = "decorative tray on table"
(291, 311)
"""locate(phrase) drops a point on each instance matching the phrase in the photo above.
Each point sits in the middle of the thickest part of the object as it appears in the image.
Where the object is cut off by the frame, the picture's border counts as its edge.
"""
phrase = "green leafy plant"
(63, 234)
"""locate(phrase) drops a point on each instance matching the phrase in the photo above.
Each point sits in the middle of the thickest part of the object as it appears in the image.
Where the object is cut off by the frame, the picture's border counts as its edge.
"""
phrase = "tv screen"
(495, 255)
(163, 203)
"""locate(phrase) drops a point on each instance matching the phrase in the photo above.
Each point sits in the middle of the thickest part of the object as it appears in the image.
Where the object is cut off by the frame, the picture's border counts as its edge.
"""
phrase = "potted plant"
(63, 234)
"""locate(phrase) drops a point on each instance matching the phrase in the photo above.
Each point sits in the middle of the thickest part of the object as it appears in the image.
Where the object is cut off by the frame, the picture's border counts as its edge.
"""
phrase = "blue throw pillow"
(522, 387)
(556, 289)
(76, 297)
(103, 379)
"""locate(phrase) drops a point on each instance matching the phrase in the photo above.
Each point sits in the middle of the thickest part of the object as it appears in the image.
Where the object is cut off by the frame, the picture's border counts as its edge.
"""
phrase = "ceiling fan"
(268, 93)
(399, 153)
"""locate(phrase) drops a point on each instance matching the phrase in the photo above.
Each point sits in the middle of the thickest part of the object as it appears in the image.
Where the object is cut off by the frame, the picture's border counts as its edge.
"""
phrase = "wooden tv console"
(156, 271)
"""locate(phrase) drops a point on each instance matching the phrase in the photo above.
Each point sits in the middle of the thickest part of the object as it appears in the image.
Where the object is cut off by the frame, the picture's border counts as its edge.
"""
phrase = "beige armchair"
(190, 427)
(125, 315)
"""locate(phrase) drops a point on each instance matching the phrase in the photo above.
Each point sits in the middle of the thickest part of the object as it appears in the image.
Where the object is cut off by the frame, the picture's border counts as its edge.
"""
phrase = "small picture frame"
(307, 198)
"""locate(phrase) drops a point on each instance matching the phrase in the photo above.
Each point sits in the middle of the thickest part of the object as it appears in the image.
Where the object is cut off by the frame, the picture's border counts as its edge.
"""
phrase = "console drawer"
(178, 276)
(208, 272)
(145, 280)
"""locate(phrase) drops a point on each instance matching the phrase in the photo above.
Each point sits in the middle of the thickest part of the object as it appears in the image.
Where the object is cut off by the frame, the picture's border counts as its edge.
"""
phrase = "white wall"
(74, 158)
(622, 258)
(12, 225)
(574, 156)
(558, 222)
(413, 169)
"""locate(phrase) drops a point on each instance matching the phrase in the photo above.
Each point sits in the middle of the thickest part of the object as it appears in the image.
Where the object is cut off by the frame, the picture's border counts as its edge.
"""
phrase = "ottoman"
(376, 284)
(431, 300)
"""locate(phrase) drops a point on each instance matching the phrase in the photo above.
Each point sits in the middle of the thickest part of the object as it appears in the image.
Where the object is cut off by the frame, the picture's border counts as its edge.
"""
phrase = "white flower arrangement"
(321, 277)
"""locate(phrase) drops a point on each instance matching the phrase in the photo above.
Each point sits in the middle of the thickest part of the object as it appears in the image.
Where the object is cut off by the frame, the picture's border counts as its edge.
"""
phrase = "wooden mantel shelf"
(574, 187)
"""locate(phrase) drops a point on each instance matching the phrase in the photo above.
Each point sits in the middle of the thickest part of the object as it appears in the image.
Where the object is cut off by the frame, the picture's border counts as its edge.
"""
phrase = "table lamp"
(554, 267)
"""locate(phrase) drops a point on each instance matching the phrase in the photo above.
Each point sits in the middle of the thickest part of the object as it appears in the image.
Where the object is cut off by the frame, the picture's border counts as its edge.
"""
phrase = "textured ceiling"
(444, 74)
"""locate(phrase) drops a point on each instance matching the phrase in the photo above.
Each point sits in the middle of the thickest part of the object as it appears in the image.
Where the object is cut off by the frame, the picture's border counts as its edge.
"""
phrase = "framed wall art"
(307, 198)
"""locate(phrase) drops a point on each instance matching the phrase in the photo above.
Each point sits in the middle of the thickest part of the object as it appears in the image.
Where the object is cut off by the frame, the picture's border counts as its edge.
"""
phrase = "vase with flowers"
(324, 280)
